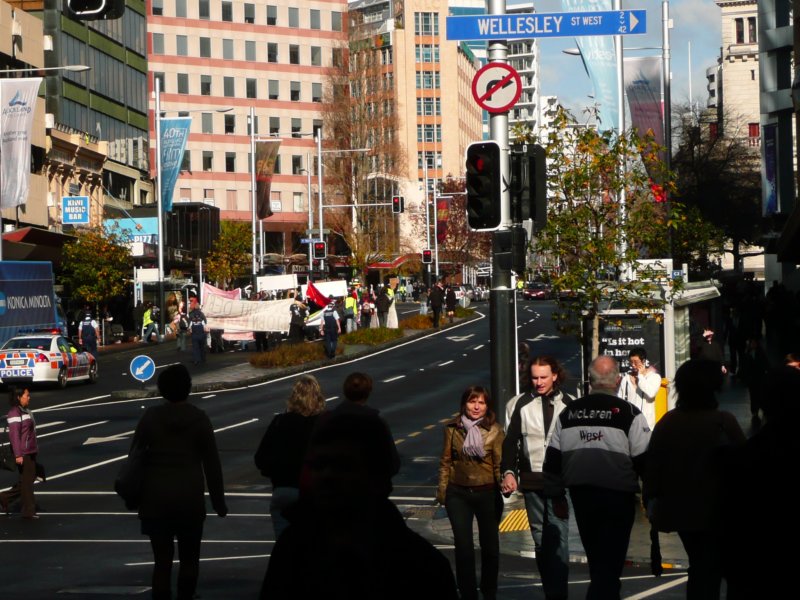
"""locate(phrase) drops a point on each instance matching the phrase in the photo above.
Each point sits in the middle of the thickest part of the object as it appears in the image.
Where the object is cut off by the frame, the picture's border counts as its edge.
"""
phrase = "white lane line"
(57, 406)
(50, 424)
(331, 399)
(119, 541)
(167, 365)
(444, 364)
(659, 589)
(109, 403)
(478, 347)
(393, 379)
(176, 562)
(209, 396)
(99, 513)
(117, 437)
(235, 425)
(72, 429)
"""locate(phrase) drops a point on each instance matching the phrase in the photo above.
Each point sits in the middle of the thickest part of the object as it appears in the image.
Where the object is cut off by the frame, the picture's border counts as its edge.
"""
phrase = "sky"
(695, 22)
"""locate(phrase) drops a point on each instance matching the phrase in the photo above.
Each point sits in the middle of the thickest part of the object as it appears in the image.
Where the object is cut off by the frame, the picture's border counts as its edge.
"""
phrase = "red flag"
(315, 295)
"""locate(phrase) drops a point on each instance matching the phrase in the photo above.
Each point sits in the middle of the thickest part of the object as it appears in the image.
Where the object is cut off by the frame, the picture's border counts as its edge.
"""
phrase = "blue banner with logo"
(600, 59)
(26, 297)
(174, 133)
(17, 107)
(770, 193)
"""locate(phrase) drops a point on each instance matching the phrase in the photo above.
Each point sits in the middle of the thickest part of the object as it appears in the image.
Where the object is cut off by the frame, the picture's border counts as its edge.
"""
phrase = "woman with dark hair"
(180, 457)
(22, 436)
(685, 463)
(469, 488)
(283, 448)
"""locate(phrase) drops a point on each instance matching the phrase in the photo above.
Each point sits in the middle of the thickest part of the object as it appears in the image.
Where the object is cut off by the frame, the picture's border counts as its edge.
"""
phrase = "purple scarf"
(473, 441)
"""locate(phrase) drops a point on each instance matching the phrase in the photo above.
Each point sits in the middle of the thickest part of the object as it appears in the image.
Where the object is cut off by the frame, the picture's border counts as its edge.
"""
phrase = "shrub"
(288, 355)
(371, 337)
(417, 322)
(462, 312)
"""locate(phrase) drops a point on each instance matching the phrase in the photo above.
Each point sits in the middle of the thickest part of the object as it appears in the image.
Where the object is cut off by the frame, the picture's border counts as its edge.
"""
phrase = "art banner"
(600, 59)
(174, 133)
(643, 88)
(266, 155)
(442, 216)
(210, 290)
(17, 107)
(770, 193)
(245, 315)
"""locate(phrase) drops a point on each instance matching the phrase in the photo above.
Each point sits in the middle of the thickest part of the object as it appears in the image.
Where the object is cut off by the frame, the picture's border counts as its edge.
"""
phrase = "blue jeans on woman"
(463, 506)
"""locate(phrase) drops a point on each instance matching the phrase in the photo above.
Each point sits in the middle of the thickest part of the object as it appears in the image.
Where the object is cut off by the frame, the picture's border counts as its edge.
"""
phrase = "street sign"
(306, 240)
(540, 25)
(142, 368)
(496, 87)
(75, 210)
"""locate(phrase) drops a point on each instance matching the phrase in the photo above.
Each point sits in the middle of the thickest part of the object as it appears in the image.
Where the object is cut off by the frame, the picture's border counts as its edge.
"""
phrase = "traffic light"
(398, 204)
(320, 250)
(483, 185)
(427, 257)
(528, 185)
(92, 10)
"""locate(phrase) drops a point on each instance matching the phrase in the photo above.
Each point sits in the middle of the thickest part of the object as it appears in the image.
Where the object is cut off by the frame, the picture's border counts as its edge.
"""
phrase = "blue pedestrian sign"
(142, 368)
(75, 210)
(541, 25)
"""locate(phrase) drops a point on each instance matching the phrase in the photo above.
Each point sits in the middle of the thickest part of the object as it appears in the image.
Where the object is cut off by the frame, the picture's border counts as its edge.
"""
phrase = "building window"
(208, 161)
(228, 87)
(183, 83)
(316, 56)
(272, 52)
(227, 49)
(277, 168)
(208, 194)
(739, 24)
(274, 89)
(298, 202)
(713, 131)
(227, 11)
(204, 11)
(429, 107)
(249, 50)
(180, 8)
(294, 91)
(429, 133)
(274, 125)
(158, 43)
(182, 45)
(294, 17)
(158, 7)
(205, 85)
(272, 14)
(337, 57)
(316, 92)
(161, 81)
(314, 22)
(205, 47)
(230, 162)
(427, 53)
(207, 122)
(297, 164)
(250, 88)
(386, 56)
(336, 20)
(427, 80)
(753, 130)
(297, 127)
(426, 23)
(230, 123)
(294, 54)
(752, 30)
(250, 13)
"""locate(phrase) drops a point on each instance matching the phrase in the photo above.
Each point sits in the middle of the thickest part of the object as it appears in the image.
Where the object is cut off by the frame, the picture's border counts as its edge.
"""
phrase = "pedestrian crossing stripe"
(516, 520)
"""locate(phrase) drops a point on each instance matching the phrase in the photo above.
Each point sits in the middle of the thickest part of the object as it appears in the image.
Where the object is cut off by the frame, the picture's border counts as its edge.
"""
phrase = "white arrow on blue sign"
(142, 368)
(536, 25)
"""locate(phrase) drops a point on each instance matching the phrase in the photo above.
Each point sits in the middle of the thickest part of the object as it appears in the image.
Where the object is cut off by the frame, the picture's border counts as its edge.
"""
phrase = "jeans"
(705, 565)
(282, 498)
(437, 314)
(423, 308)
(605, 519)
(150, 330)
(199, 348)
(189, 535)
(551, 540)
(463, 506)
(330, 340)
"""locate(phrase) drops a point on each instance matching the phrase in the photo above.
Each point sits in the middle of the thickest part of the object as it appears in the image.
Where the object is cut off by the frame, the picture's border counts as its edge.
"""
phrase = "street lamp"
(310, 212)
(33, 70)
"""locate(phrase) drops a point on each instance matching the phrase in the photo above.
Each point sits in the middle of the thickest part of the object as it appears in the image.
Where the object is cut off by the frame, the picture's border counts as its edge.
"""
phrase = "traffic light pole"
(502, 299)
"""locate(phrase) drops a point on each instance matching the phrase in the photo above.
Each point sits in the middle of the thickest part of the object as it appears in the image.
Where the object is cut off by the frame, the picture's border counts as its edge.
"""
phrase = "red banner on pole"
(442, 216)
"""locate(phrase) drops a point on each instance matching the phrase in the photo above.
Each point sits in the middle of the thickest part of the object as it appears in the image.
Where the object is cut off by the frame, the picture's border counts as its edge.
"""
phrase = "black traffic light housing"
(509, 248)
(484, 185)
(528, 168)
(320, 250)
(427, 256)
(398, 204)
(93, 10)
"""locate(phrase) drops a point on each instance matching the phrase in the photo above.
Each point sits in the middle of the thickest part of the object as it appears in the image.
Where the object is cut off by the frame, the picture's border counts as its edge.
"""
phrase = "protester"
(753, 370)
(436, 297)
(530, 422)
(150, 322)
(297, 322)
(711, 350)
(641, 384)
(682, 481)
(382, 304)
(469, 488)
(182, 325)
(450, 302)
(350, 310)
(346, 538)
(181, 453)
(199, 330)
(423, 301)
(22, 438)
(367, 311)
(282, 450)
(391, 317)
(598, 452)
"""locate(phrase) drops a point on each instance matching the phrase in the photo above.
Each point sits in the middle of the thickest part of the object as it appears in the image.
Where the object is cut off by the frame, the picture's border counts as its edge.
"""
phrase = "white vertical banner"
(17, 106)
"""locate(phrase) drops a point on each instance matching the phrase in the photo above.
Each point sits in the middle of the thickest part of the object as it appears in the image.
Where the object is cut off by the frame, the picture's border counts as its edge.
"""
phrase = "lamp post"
(34, 71)
(310, 212)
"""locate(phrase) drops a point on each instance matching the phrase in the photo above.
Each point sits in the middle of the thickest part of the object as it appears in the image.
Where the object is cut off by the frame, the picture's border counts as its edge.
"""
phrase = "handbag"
(8, 461)
(130, 480)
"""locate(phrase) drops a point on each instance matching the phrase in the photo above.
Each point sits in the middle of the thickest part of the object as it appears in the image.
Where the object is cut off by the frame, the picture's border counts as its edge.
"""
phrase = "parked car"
(469, 290)
(536, 291)
(45, 358)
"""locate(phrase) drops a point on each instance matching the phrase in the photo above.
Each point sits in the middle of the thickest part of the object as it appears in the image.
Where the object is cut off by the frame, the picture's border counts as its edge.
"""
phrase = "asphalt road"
(86, 545)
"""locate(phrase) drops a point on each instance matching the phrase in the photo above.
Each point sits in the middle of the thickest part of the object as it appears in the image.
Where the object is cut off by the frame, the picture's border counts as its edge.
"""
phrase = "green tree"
(97, 264)
(602, 220)
(231, 254)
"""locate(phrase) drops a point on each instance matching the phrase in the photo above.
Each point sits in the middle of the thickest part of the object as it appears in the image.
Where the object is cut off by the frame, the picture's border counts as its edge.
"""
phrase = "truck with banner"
(27, 298)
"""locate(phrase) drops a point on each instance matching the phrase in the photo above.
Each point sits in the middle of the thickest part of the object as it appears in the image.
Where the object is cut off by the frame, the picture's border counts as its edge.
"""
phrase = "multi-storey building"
(432, 77)
(217, 60)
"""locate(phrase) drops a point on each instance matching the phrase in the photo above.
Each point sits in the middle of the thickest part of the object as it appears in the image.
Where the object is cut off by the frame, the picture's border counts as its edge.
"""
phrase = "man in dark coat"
(436, 298)
(382, 304)
(197, 326)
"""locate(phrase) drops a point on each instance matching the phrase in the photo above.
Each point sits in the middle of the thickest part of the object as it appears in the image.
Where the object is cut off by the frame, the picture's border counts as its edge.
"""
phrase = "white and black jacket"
(526, 441)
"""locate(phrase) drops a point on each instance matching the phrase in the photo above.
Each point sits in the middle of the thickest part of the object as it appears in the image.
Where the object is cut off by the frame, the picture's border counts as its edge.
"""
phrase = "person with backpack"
(181, 324)
(197, 325)
(150, 322)
(88, 332)
(330, 328)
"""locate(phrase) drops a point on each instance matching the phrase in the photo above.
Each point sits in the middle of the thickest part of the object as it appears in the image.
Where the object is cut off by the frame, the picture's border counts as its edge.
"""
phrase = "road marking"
(117, 437)
(209, 396)
(119, 541)
(430, 426)
(236, 425)
(415, 434)
(459, 338)
(72, 429)
(167, 365)
(393, 379)
(658, 589)
(176, 561)
(50, 424)
(45, 409)
(332, 398)
(400, 441)
(515, 520)
(109, 403)
(478, 347)
(445, 363)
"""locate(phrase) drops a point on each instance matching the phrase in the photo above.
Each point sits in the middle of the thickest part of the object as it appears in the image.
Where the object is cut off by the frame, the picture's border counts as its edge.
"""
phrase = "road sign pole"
(501, 313)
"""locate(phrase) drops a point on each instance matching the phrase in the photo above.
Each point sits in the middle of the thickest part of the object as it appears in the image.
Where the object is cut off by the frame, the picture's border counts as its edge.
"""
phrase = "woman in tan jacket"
(469, 488)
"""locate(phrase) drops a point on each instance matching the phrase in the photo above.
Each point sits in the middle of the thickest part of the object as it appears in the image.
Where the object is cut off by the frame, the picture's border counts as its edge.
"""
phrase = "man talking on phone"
(640, 385)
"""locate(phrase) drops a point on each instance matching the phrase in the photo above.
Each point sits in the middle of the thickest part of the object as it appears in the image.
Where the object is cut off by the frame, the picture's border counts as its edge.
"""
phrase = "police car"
(45, 358)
